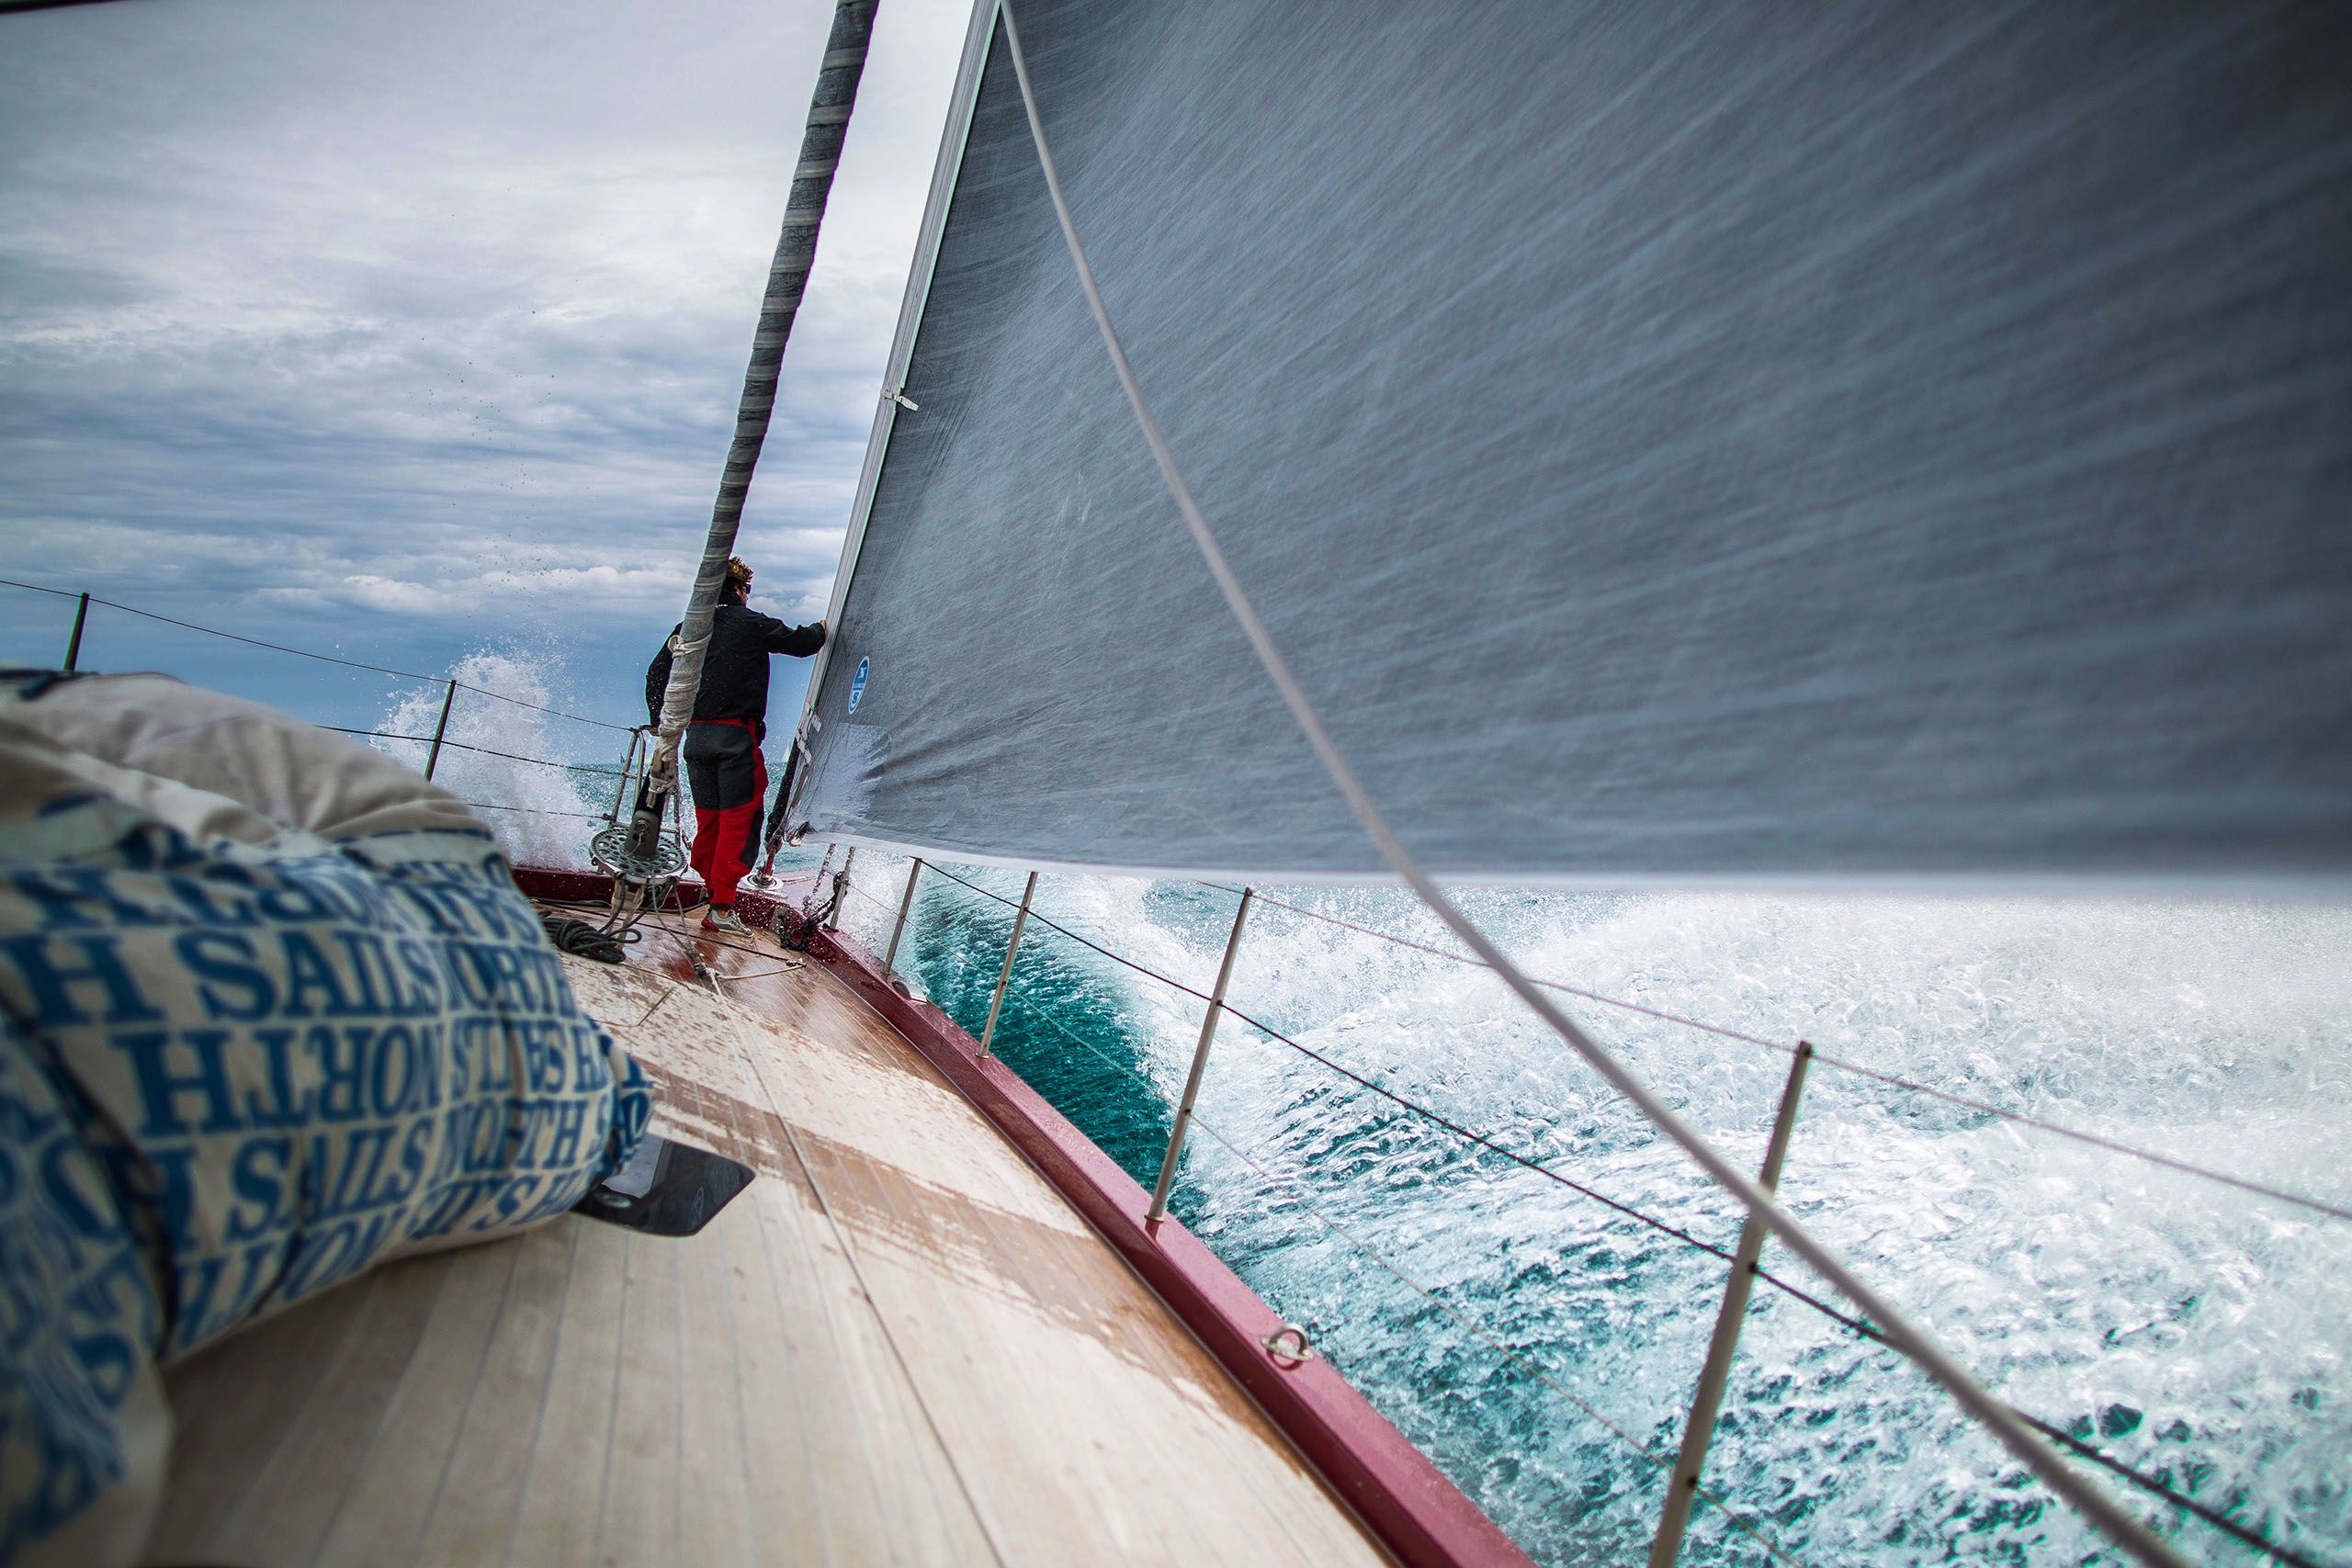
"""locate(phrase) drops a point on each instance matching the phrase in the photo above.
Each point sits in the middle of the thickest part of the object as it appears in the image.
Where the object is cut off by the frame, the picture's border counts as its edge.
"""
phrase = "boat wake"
(2190, 1330)
(540, 781)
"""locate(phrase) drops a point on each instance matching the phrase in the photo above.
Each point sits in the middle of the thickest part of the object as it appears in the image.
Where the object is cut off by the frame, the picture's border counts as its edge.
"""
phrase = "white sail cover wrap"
(1820, 442)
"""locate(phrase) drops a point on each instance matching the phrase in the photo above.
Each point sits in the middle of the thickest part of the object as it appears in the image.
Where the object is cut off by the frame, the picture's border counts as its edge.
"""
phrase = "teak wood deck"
(899, 1344)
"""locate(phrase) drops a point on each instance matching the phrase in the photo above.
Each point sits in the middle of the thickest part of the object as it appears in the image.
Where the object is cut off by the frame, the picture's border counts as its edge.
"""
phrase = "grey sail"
(1822, 442)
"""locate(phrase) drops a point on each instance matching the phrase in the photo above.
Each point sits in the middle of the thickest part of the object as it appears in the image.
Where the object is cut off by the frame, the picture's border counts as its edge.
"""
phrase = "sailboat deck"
(899, 1344)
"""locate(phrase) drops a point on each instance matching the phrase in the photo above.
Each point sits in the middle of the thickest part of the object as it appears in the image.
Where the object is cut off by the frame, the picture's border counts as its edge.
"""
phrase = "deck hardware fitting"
(1289, 1343)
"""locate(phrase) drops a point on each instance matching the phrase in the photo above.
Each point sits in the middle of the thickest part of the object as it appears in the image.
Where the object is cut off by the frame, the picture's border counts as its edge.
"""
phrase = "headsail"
(1888, 443)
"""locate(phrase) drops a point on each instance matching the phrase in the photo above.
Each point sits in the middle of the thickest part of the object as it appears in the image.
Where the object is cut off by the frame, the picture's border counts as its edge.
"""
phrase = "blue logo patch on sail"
(857, 684)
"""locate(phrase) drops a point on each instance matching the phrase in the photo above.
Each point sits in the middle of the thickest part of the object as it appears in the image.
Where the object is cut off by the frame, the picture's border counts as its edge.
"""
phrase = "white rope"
(2089, 1499)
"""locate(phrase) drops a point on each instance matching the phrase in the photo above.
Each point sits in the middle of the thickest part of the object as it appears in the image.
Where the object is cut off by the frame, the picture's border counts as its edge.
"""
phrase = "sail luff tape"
(2091, 1501)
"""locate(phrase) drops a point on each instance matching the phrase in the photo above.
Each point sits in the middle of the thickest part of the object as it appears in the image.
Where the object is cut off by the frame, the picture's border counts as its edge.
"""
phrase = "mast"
(796, 248)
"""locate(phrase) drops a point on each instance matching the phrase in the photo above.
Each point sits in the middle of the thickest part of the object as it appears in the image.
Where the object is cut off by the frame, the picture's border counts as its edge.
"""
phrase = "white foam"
(2193, 1330)
(542, 815)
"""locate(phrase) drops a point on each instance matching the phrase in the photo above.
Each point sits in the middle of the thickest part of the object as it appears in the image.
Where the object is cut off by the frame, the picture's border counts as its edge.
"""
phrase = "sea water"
(1543, 1347)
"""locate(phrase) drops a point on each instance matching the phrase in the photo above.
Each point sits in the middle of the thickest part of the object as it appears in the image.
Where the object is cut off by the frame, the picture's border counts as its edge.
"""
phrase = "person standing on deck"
(725, 772)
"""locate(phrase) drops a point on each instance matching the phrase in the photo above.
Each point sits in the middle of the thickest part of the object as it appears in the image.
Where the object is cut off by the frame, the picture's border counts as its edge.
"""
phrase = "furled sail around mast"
(1874, 442)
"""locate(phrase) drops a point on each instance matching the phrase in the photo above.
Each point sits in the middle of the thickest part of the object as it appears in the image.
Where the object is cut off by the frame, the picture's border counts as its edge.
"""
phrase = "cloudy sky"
(412, 330)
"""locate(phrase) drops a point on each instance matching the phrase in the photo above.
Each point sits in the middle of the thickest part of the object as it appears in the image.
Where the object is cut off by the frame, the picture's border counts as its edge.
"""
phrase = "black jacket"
(735, 670)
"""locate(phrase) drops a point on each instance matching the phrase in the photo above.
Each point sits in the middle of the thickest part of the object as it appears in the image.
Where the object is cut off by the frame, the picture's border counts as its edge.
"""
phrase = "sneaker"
(722, 918)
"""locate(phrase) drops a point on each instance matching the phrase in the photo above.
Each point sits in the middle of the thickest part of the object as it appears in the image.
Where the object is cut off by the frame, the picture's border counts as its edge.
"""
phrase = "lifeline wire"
(1855, 1324)
(2094, 1140)
(1469, 1324)
(1434, 1117)
(1423, 1111)
(1846, 1320)
(2021, 1440)
(306, 653)
(534, 811)
(1475, 1331)
(1098, 947)
(448, 745)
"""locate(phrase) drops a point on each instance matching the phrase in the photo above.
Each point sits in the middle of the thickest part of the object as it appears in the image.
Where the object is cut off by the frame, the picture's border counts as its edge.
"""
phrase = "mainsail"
(1880, 442)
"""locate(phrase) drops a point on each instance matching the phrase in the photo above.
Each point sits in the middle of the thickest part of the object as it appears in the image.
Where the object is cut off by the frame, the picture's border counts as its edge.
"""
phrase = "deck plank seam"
(799, 1242)
(838, 1335)
(677, 1399)
(987, 1533)
(723, 1237)
(547, 1393)
(870, 1180)
(1280, 1434)
(465, 1413)
(256, 1474)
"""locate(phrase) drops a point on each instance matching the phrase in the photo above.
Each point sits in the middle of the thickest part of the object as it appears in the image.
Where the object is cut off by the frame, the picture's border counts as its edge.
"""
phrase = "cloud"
(316, 312)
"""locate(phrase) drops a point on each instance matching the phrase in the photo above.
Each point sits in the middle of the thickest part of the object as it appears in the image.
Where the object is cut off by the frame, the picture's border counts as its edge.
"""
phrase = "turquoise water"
(2190, 1330)
(2196, 1332)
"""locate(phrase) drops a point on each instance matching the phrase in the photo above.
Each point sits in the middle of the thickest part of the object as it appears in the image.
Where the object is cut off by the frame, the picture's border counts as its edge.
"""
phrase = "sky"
(413, 332)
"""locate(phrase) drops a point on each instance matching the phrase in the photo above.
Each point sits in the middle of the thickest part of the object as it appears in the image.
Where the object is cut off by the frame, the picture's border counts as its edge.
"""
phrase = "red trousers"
(729, 780)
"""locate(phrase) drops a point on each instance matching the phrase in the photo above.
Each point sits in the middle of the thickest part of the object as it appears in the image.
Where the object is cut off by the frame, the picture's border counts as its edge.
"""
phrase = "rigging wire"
(2021, 1440)
(2243, 1184)
(2139, 1478)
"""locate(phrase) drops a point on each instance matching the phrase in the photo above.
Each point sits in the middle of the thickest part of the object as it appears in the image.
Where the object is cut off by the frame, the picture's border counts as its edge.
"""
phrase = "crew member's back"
(725, 772)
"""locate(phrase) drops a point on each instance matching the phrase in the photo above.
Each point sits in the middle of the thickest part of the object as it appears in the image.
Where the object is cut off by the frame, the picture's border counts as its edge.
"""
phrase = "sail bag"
(1840, 441)
(272, 1013)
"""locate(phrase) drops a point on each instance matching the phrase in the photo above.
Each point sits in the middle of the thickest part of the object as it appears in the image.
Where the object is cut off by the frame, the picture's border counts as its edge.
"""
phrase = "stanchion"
(906, 905)
(73, 643)
(1699, 1430)
(1004, 975)
(1158, 1208)
(433, 758)
(840, 890)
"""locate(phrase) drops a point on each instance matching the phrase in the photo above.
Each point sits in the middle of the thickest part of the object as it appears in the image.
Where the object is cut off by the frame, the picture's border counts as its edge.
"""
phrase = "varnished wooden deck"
(898, 1346)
